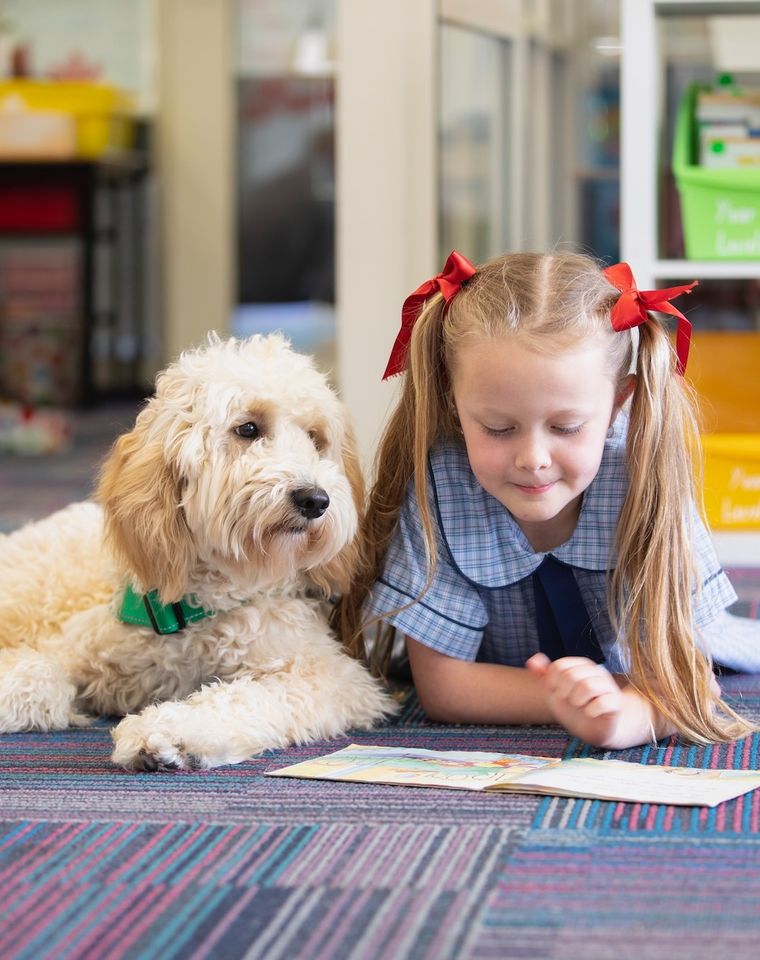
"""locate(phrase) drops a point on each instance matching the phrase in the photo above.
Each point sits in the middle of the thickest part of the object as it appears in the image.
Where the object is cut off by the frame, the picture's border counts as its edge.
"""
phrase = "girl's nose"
(532, 455)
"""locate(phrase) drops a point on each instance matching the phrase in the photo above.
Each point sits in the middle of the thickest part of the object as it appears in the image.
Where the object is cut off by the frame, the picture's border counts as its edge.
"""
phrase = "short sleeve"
(711, 595)
(713, 591)
(450, 617)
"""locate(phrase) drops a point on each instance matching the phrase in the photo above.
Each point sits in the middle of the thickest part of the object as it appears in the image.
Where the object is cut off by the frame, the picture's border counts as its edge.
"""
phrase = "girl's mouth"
(535, 490)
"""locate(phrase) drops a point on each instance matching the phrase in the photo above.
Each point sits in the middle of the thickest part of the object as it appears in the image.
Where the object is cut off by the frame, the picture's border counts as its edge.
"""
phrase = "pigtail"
(655, 576)
(433, 413)
(420, 417)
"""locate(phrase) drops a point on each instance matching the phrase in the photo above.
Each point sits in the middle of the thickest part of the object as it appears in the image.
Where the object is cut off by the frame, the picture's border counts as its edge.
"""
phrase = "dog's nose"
(311, 501)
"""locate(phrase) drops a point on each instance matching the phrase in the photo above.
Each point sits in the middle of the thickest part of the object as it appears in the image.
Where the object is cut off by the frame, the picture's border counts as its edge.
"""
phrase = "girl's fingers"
(579, 683)
(583, 685)
(538, 664)
(606, 704)
(586, 690)
(571, 663)
(562, 683)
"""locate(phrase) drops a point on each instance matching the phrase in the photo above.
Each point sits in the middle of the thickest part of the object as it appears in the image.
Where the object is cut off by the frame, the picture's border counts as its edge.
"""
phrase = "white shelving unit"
(641, 96)
(642, 99)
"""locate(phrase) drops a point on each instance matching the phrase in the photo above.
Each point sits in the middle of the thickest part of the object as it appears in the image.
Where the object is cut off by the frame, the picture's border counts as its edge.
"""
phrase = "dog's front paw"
(36, 693)
(150, 742)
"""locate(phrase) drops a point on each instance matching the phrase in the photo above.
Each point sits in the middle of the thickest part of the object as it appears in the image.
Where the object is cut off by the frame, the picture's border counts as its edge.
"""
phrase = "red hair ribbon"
(456, 270)
(633, 304)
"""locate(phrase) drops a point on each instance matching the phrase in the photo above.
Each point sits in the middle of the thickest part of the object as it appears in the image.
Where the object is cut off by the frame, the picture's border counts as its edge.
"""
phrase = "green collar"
(146, 610)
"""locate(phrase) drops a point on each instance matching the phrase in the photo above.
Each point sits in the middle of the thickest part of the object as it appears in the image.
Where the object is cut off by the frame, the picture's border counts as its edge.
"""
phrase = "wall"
(386, 189)
(196, 168)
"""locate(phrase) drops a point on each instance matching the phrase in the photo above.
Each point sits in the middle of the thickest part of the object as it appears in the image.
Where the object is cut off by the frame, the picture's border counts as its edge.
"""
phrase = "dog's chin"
(290, 538)
(290, 530)
(301, 543)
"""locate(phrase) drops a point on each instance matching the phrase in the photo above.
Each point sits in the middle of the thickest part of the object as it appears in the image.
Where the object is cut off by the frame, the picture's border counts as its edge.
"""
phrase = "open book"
(516, 773)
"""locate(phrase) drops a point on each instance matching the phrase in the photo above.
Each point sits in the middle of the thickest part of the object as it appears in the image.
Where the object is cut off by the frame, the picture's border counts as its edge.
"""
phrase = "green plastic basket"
(720, 209)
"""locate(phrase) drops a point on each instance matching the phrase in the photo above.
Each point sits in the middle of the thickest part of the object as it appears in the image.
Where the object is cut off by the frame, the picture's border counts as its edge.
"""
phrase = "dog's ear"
(145, 524)
(335, 576)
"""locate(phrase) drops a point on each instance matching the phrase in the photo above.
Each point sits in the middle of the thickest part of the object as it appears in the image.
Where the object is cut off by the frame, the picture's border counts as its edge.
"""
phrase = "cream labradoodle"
(226, 517)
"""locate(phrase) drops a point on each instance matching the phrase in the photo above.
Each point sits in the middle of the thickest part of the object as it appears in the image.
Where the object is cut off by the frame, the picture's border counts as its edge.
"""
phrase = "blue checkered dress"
(480, 604)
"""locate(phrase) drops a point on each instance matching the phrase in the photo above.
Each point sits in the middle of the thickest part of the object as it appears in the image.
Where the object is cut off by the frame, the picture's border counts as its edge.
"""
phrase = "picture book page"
(639, 783)
(508, 772)
(454, 769)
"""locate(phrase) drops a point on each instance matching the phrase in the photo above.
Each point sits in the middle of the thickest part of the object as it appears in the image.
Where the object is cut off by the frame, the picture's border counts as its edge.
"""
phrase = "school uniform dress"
(488, 600)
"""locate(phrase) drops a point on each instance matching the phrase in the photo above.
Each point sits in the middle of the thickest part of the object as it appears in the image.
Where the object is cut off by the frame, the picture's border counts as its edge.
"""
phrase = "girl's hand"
(586, 699)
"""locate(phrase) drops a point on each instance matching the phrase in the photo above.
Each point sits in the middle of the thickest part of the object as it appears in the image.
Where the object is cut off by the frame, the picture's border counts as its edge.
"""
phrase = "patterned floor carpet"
(99, 863)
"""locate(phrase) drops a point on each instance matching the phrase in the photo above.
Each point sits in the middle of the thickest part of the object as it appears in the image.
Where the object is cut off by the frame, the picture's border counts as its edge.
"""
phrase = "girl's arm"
(733, 641)
(578, 694)
(461, 691)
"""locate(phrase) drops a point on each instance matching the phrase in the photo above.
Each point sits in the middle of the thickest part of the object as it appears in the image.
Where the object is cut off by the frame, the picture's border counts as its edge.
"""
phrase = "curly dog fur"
(204, 498)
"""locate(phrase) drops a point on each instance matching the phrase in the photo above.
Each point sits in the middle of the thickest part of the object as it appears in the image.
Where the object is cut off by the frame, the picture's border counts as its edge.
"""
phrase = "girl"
(536, 544)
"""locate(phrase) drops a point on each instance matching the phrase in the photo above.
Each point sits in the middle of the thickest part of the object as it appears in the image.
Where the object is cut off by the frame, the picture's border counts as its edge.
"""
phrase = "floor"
(32, 486)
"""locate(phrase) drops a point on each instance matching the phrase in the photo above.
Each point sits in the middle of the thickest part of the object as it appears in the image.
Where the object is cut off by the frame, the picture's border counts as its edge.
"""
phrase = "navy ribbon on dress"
(564, 626)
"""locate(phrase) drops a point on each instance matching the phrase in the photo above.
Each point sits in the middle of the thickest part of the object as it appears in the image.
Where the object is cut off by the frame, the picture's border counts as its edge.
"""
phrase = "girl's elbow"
(440, 682)
(436, 715)
(429, 708)
(437, 709)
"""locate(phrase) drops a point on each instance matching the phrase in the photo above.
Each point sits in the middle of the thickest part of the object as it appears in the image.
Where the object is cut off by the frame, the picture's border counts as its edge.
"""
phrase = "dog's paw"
(145, 743)
(36, 693)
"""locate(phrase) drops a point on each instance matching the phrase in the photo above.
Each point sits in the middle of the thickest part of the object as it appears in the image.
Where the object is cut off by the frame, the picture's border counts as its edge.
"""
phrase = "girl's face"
(534, 425)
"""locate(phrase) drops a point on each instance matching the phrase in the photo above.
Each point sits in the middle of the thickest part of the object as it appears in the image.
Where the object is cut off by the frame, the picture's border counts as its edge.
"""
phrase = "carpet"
(31, 487)
(99, 863)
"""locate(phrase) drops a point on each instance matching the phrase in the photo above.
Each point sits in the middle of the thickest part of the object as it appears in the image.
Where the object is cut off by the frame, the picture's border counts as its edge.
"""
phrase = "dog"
(190, 598)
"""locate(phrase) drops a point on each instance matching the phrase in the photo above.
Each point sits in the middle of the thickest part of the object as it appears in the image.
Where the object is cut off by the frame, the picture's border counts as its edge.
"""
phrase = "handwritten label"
(741, 480)
(727, 246)
(739, 513)
(726, 212)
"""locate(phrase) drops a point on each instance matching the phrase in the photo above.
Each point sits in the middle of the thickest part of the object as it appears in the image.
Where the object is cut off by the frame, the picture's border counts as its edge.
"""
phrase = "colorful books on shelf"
(41, 321)
(728, 125)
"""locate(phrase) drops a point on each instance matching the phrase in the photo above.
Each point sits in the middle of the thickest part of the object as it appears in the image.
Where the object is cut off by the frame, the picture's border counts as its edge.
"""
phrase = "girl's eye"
(506, 431)
(248, 431)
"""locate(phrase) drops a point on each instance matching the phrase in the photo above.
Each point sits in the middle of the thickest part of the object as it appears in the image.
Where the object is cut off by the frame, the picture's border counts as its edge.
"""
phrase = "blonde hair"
(550, 301)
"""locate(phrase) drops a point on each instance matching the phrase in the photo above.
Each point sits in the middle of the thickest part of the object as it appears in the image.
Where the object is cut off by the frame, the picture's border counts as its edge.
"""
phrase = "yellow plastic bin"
(732, 480)
(720, 209)
(102, 114)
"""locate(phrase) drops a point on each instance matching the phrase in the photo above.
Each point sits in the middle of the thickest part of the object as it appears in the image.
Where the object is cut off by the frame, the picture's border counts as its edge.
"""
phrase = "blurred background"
(170, 167)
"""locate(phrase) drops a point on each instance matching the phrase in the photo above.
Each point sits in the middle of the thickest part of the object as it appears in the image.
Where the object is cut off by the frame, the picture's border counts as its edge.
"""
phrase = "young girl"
(532, 532)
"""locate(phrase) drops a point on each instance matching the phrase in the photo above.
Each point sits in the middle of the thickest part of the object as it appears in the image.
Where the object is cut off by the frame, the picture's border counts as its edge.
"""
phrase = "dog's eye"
(248, 431)
(317, 438)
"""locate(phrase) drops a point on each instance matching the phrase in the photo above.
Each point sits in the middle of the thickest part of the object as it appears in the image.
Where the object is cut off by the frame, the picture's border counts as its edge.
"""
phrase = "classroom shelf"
(99, 329)
(706, 269)
(643, 100)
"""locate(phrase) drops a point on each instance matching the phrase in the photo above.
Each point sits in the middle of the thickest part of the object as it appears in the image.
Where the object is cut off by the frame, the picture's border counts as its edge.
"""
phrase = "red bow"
(633, 304)
(456, 270)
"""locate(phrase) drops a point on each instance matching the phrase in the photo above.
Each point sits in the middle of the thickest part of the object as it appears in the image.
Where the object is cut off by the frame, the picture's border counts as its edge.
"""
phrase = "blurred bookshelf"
(72, 278)
(671, 201)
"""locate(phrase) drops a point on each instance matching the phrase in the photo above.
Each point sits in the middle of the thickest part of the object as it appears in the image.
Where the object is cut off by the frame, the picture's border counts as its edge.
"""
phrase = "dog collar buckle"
(146, 610)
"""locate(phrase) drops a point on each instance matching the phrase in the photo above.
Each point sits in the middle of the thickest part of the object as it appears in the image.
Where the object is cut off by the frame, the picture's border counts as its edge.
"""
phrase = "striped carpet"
(591, 880)
(97, 863)
(100, 863)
